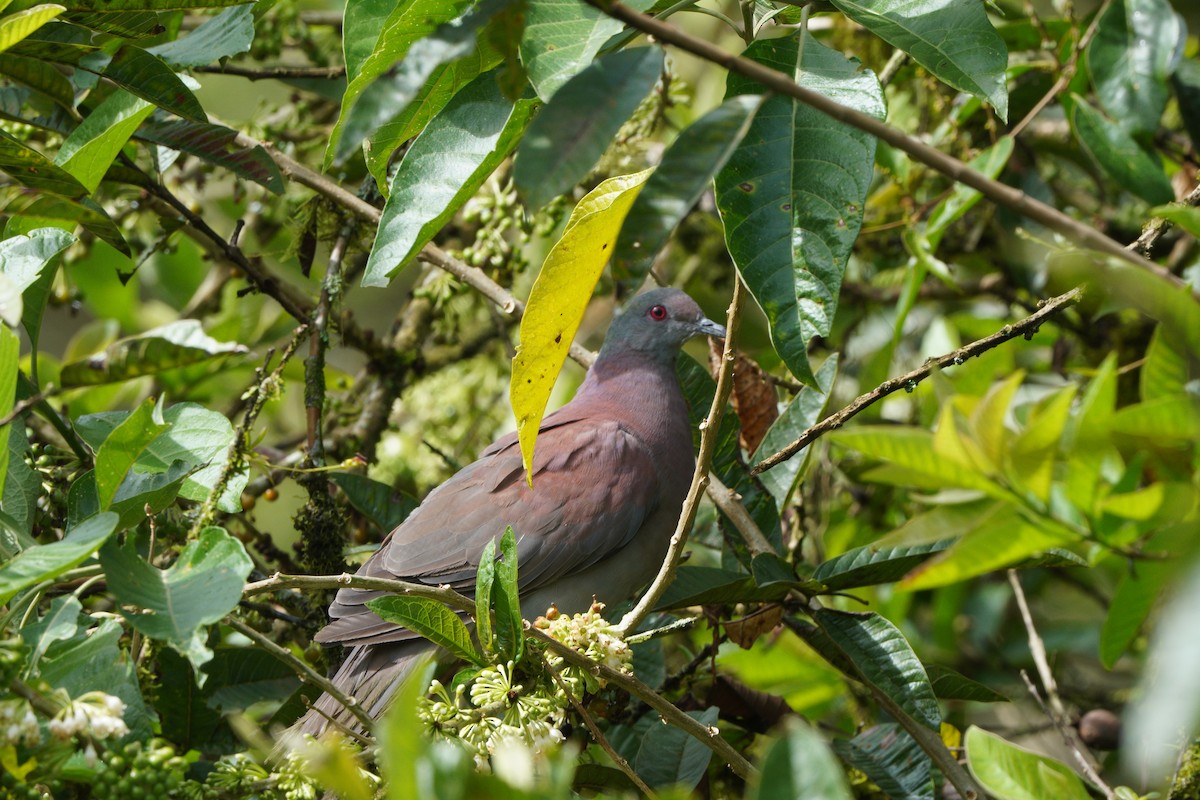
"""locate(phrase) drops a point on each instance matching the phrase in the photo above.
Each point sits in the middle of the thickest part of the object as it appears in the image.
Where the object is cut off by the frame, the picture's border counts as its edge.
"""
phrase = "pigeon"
(610, 474)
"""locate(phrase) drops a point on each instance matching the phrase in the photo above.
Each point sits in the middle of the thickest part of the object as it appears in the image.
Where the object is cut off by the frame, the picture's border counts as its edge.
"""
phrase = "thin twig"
(274, 73)
(598, 734)
(305, 672)
(730, 504)
(29, 402)
(710, 737)
(999, 193)
(909, 380)
(700, 478)
(1155, 228)
(1054, 706)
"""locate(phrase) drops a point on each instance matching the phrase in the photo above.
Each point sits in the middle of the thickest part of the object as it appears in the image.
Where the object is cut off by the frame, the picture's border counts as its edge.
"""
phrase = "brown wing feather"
(607, 473)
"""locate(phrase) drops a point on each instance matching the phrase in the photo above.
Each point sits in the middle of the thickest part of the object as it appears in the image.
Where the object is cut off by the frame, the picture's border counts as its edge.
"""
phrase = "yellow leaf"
(560, 296)
(8, 760)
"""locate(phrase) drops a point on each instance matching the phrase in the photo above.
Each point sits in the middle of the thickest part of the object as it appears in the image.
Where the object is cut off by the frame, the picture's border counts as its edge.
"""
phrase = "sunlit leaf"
(1010, 772)
(227, 34)
(15, 27)
(561, 38)
(95, 144)
(442, 169)
(148, 76)
(560, 296)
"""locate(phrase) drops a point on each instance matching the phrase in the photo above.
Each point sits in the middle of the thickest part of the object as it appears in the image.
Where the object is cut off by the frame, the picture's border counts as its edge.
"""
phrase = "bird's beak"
(709, 328)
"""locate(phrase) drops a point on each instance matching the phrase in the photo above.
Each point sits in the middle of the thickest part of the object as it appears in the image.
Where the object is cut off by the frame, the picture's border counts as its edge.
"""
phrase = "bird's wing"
(594, 484)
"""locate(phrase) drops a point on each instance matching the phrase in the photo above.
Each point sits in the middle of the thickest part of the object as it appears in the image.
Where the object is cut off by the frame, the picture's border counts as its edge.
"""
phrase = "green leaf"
(430, 619)
(124, 24)
(1185, 216)
(510, 632)
(885, 659)
(570, 134)
(442, 85)
(1129, 166)
(227, 34)
(442, 169)
(72, 212)
(41, 76)
(953, 39)
(403, 743)
(1168, 368)
(912, 449)
(561, 38)
(1033, 454)
(1130, 59)
(377, 501)
(198, 437)
(406, 22)
(95, 144)
(485, 579)
(891, 759)
(46, 561)
(174, 605)
(95, 661)
(148, 76)
(22, 492)
(560, 296)
(1009, 772)
(391, 94)
(800, 764)
(15, 27)
(1167, 419)
(30, 168)
(871, 564)
(669, 756)
(1131, 604)
(800, 414)
(792, 195)
(154, 489)
(684, 174)
(23, 260)
(10, 362)
(59, 623)
(121, 448)
(176, 344)
(999, 539)
(239, 677)
(217, 145)
(950, 685)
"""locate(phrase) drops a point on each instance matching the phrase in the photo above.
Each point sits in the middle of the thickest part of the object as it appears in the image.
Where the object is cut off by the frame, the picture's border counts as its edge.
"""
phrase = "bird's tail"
(370, 675)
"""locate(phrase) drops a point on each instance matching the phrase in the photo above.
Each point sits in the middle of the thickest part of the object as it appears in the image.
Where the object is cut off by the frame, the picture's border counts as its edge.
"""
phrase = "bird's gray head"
(658, 322)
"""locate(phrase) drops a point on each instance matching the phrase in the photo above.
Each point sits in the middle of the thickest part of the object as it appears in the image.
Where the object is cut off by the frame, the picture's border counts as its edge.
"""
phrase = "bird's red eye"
(657, 313)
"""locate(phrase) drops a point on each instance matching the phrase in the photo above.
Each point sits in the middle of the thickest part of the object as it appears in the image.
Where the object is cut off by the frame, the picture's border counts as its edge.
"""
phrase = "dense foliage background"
(261, 277)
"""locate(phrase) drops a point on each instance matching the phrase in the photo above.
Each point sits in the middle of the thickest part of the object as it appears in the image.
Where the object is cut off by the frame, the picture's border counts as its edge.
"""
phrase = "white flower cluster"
(95, 714)
(500, 710)
(588, 633)
(18, 725)
(495, 710)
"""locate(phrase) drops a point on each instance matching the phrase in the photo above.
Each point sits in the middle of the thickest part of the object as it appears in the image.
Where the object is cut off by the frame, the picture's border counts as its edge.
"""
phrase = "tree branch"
(909, 380)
